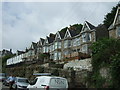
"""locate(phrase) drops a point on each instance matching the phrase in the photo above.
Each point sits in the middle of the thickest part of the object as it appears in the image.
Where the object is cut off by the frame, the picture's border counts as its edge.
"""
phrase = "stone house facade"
(70, 44)
(114, 29)
(5, 52)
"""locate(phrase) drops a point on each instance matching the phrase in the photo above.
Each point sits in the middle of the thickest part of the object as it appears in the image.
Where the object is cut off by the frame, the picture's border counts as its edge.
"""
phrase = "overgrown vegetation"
(106, 53)
(76, 27)
(42, 56)
(4, 60)
(109, 17)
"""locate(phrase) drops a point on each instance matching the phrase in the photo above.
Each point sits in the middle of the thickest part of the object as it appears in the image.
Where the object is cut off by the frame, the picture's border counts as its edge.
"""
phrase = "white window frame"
(65, 44)
(118, 31)
(89, 36)
(59, 55)
(84, 37)
(76, 42)
(55, 45)
(59, 45)
(55, 56)
(84, 48)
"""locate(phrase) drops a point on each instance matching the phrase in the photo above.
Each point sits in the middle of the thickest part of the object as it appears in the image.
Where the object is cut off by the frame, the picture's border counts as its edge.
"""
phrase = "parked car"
(6, 82)
(48, 83)
(20, 83)
(2, 77)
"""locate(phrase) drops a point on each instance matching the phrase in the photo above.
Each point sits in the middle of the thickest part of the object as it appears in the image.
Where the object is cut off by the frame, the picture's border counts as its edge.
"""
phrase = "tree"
(64, 30)
(4, 60)
(76, 27)
(106, 53)
(109, 17)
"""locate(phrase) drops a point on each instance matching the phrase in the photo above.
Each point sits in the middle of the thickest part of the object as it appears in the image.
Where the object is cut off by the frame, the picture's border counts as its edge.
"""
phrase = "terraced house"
(114, 29)
(70, 43)
(78, 43)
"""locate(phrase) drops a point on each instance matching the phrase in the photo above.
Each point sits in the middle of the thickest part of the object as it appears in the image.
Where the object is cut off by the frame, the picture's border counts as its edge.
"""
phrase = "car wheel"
(16, 87)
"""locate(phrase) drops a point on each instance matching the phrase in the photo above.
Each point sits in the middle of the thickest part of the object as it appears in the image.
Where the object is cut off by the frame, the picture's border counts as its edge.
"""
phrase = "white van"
(48, 83)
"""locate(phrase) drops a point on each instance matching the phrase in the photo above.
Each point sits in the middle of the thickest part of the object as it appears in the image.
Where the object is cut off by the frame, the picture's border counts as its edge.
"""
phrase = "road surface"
(2, 87)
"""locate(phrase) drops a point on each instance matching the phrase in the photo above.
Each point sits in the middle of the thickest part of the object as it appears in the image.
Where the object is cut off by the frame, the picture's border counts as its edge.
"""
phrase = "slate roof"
(34, 45)
(51, 38)
(20, 52)
(62, 34)
(5, 52)
(74, 32)
(90, 25)
(42, 40)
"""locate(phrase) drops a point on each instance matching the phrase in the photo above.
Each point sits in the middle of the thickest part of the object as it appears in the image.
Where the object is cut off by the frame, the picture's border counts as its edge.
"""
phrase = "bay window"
(84, 48)
(67, 43)
(57, 45)
(44, 49)
(84, 37)
(118, 31)
(76, 42)
(55, 56)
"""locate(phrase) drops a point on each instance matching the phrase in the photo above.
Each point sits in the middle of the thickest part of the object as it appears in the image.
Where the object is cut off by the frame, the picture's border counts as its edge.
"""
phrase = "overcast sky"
(23, 23)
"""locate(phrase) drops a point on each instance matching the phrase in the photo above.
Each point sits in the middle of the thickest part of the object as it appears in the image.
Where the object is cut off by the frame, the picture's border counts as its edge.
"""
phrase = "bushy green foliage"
(4, 60)
(64, 30)
(42, 56)
(106, 53)
(115, 71)
(108, 20)
(76, 27)
(55, 72)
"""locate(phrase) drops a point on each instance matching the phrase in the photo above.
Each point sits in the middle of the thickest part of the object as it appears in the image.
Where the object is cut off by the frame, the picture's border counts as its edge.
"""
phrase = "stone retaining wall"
(75, 78)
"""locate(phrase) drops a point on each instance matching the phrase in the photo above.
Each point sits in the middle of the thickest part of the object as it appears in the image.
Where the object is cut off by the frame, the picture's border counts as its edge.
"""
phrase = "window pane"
(84, 37)
(118, 31)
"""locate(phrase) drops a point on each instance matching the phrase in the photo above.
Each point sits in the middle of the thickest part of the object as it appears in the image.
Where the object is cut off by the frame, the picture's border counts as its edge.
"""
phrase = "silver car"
(20, 83)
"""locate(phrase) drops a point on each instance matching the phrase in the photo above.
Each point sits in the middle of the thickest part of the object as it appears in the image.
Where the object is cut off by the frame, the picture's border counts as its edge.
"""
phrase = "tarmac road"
(2, 87)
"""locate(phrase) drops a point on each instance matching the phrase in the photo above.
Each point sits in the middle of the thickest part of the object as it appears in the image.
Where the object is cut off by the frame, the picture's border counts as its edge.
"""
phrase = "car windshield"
(23, 80)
